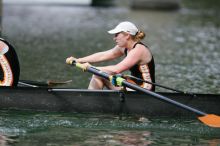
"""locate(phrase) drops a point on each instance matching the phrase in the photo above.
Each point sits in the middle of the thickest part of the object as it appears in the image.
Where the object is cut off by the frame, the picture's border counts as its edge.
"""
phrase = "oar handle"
(91, 69)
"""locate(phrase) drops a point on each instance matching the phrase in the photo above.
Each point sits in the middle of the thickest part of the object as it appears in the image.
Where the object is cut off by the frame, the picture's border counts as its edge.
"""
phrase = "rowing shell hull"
(103, 101)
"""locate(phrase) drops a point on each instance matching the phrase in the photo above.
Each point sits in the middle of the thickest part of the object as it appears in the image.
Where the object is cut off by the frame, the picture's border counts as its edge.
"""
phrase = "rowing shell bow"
(211, 120)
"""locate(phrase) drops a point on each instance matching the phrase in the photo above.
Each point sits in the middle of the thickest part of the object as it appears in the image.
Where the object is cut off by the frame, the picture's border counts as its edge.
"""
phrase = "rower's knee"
(96, 83)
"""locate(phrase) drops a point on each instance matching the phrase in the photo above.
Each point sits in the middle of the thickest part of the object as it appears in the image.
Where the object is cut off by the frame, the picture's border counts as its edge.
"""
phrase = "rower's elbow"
(118, 71)
(115, 71)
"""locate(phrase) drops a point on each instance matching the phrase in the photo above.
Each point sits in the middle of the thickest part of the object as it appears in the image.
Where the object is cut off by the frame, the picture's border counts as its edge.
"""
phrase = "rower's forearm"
(112, 69)
(94, 58)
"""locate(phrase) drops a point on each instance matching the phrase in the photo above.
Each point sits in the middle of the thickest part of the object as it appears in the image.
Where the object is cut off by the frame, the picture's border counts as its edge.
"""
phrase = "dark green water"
(95, 129)
(185, 44)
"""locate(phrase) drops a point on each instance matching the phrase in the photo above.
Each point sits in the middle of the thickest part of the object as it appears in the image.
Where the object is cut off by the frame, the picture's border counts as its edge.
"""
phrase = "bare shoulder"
(118, 49)
(141, 49)
(145, 52)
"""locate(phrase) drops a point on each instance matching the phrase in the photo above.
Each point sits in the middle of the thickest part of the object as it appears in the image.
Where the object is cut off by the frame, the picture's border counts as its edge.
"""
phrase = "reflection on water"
(185, 42)
(90, 129)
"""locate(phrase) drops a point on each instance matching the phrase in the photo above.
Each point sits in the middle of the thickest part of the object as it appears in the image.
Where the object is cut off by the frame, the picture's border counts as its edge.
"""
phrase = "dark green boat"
(103, 101)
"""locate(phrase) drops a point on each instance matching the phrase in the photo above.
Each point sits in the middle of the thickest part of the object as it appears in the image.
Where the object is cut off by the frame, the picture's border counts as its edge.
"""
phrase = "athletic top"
(9, 65)
(145, 72)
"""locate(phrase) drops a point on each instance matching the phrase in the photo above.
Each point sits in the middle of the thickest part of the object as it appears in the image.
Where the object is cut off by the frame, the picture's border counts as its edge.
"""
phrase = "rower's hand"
(70, 60)
(114, 81)
(85, 66)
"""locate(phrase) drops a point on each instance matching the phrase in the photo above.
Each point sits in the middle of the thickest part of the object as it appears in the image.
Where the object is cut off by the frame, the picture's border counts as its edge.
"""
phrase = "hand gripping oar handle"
(208, 119)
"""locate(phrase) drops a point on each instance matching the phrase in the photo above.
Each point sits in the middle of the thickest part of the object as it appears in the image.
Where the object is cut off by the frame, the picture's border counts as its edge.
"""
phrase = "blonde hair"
(139, 36)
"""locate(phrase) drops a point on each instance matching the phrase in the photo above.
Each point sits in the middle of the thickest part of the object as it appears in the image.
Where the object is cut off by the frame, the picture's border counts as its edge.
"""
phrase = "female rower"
(138, 58)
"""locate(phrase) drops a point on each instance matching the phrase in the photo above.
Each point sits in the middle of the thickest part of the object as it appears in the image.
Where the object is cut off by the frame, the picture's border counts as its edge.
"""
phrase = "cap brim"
(114, 31)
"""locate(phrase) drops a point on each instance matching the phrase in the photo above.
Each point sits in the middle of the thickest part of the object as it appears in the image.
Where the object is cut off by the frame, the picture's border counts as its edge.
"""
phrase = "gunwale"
(103, 101)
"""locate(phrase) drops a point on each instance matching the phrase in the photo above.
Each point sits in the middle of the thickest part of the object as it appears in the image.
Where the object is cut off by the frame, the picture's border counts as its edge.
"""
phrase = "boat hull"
(103, 101)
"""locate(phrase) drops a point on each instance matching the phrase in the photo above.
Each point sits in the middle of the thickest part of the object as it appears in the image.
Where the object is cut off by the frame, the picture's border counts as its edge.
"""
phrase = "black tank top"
(145, 72)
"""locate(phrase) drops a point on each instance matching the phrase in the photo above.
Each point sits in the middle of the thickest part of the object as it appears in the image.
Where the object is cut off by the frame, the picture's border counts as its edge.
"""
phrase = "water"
(96, 129)
(185, 45)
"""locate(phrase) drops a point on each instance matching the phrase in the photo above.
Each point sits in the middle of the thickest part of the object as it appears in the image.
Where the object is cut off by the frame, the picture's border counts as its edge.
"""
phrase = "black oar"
(162, 86)
(208, 119)
(48, 83)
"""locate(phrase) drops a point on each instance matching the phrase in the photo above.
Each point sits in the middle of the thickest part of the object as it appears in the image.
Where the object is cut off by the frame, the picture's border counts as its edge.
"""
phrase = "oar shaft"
(42, 84)
(26, 84)
(210, 120)
(161, 97)
(33, 83)
(100, 73)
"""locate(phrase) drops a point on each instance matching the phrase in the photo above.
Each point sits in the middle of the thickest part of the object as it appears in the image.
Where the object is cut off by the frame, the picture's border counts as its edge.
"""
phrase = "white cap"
(124, 27)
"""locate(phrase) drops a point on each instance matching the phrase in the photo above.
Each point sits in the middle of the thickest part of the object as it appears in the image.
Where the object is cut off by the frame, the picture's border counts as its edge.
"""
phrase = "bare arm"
(135, 56)
(101, 56)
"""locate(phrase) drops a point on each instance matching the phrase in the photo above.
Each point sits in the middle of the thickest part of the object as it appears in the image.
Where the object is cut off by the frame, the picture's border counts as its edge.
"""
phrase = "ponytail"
(139, 36)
